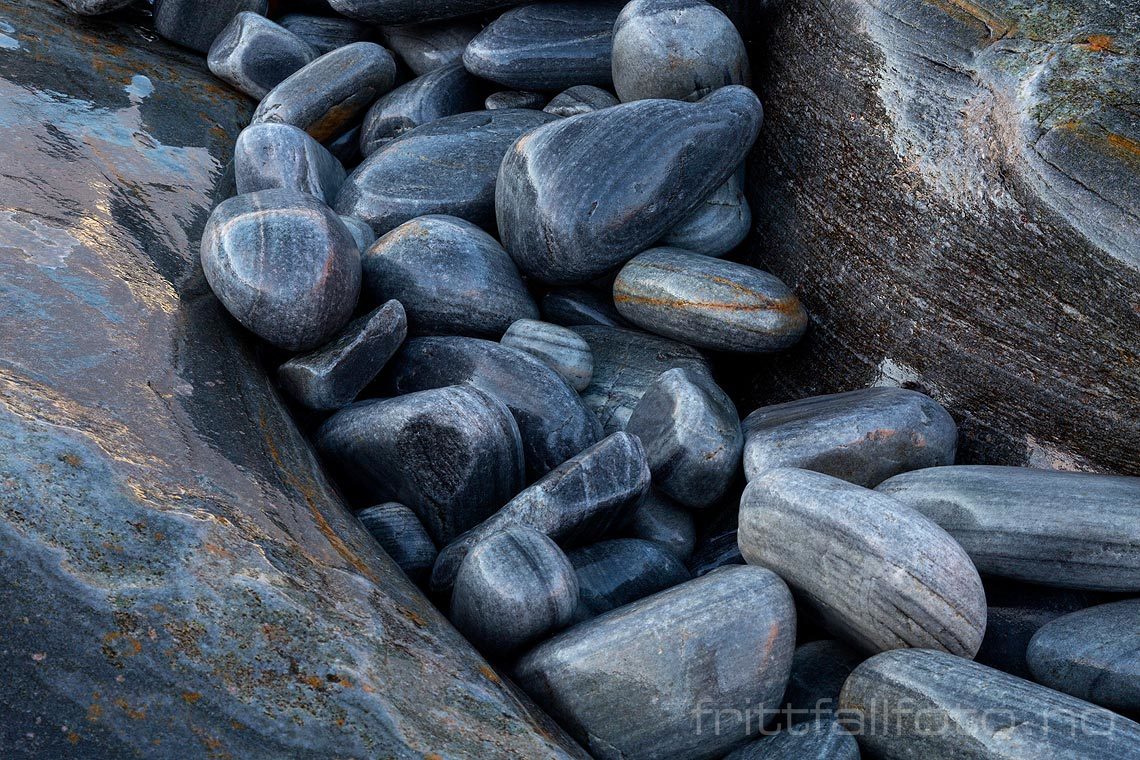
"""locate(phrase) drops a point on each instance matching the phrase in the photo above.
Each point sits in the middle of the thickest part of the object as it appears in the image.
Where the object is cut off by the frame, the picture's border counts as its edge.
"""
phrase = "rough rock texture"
(178, 577)
(822, 740)
(664, 522)
(952, 188)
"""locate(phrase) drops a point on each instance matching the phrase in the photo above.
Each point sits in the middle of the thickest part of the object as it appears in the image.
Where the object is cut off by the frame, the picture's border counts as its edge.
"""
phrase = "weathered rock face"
(177, 576)
(952, 189)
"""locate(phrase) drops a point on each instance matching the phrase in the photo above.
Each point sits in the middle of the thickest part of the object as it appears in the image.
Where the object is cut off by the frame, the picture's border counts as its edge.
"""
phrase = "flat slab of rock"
(632, 684)
(581, 98)
(255, 55)
(402, 537)
(863, 437)
(975, 711)
(1072, 530)
(445, 91)
(717, 225)
(560, 348)
(196, 24)
(881, 575)
(563, 213)
(427, 47)
(618, 571)
(269, 156)
(410, 11)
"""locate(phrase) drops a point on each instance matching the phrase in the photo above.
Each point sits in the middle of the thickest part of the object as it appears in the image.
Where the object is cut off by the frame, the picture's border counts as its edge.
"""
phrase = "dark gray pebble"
(402, 537)
(664, 522)
(1016, 612)
(819, 669)
(718, 224)
(515, 99)
(284, 265)
(95, 7)
(616, 572)
(334, 374)
(819, 740)
(346, 148)
(571, 307)
(326, 33)
(268, 156)
(427, 47)
(255, 55)
(581, 98)
(559, 348)
(445, 91)
(195, 23)
(361, 232)
(389, 12)
(717, 549)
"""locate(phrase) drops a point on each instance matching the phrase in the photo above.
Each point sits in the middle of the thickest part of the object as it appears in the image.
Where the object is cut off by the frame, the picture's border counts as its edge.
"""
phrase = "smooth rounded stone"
(580, 197)
(914, 703)
(691, 433)
(709, 303)
(1016, 612)
(337, 372)
(1093, 654)
(880, 574)
(687, 673)
(326, 33)
(571, 307)
(283, 265)
(95, 7)
(447, 166)
(717, 225)
(1065, 529)
(402, 537)
(666, 523)
(445, 91)
(255, 55)
(819, 669)
(515, 99)
(715, 550)
(451, 276)
(427, 47)
(452, 455)
(626, 363)
(863, 437)
(559, 348)
(268, 156)
(679, 49)
(579, 501)
(581, 98)
(554, 422)
(327, 96)
(196, 23)
(547, 45)
(819, 740)
(396, 12)
(513, 587)
(361, 232)
(613, 573)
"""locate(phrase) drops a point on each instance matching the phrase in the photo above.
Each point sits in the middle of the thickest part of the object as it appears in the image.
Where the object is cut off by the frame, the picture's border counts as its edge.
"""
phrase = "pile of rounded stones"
(491, 241)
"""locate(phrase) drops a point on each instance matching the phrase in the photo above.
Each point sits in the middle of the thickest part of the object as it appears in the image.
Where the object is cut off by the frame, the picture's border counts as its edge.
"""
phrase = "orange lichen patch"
(1100, 43)
(133, 713)
(73, 737)
(95, 711)
(112, 649)
(218, 551)
(191, 697)
(491, 675)
(413, 616)
(1124, 144)
(315, 682)
(432, 756)
(973, 14)
(71, 459)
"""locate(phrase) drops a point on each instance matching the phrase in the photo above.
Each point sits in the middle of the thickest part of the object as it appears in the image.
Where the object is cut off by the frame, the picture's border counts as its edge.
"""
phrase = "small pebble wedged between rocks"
(402, 537)
(581, 98)
(664, 522)
(443, 92)
(618, 571)
(561, 349)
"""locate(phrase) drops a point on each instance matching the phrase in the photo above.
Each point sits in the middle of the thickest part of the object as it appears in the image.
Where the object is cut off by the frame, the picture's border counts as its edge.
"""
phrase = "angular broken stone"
(445, 91)
(327, 96)
(863, 437)
(582, 196)
(581, 98)
(326, 33)
(818, 740)
(666, 523)
(709, 303)
(452, 455)
(581, 500)
(268, 156)
(451, 277)
(195, 23)
(1066, 529)
(515, 99)
(445, 167)
(361, 232)
(284, 265)
(679, 49)
(547, 45)
(819, 669)
(388, 12)
(513, 587)
(402, 537)
(255, 55)
(880, 574)
(691, 433)
(626, 363)
(718, 224)
(427, 47)
(337, 372)
(554, 423)
(913, 703)
(559, 348)
(1092, 654)
(571, 307)
(614, 573)
(686, 673)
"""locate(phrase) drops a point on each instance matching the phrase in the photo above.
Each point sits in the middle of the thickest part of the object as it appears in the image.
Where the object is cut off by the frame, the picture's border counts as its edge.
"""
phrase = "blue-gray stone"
(582, 500)
(715, 550)
(554, 423)
(445, 91)
(915, 703)
(580, 197)
(402, 537)
(863, 436)
(95, 7)
(284, 265)
(819, 740)
(195, 23)
(618, 571)
(361, 232)
(337, 372)
(691, 433)
(880, 574)
(686, 673)
(427, 47)
(581, 98)
(559, 348)
(448, 166)
(709, 303)
(547, 45)
(1093, 654)
(326, 97)
(388, 12)
(452, 455)
(513, 587)
(515, 99)
(571, 307)
(1066, 529)
(718, 224)
(451, 277)
(255, 55)
(680, 49)
(326, 33)
(268, 156)
(819, 669)
(664, 522)
(346, 148)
